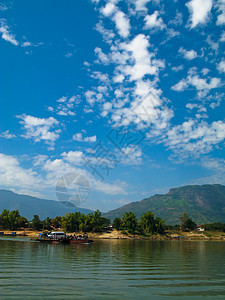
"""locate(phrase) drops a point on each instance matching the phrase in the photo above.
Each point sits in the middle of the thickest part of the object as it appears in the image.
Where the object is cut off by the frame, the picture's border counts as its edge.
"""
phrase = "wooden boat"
(53, 241)
(80, 241)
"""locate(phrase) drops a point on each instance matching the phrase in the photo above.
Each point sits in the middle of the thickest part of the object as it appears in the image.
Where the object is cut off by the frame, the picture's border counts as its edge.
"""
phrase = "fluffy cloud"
(13, 175)
(221, 66)
(79, 138)
(122, 24)
(191, 54)
(66, 106)
(222, 38)
(107, 34)
(221, 8)
(154, 21)
(197, 82)
(109, 9)
(7, 135)
(73, 157)
(141, 5)
(102, 58)
(40, 128)
(199, 10)
(144, 64)
(6, 35)
(192, 138)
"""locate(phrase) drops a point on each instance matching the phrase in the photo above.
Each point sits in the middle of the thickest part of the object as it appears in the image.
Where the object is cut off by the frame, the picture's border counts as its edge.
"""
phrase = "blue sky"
(128, 95)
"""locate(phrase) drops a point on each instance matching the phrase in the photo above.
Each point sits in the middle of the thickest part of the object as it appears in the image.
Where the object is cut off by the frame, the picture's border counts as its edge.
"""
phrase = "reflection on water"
(112, 269)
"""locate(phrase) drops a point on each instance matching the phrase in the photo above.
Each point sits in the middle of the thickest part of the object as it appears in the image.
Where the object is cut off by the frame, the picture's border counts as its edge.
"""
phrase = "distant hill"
(29, 206)
(204, 204)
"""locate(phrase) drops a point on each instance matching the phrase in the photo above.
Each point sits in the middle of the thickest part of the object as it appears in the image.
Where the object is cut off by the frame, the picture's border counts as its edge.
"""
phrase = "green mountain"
(203, 204)
(29, 206)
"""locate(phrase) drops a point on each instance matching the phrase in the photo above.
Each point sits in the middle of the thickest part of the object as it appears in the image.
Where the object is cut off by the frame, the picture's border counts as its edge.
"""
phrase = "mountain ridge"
(29, 205)
(203, 203)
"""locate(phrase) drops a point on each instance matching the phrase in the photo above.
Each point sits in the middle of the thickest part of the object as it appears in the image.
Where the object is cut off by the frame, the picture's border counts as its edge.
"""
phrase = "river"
(112, 269)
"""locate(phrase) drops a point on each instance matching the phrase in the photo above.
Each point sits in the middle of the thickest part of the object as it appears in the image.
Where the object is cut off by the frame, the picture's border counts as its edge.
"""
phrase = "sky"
(121, 99)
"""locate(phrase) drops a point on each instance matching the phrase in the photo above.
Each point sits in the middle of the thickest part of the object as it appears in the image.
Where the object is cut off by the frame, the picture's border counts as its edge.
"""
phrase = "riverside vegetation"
(146, 225)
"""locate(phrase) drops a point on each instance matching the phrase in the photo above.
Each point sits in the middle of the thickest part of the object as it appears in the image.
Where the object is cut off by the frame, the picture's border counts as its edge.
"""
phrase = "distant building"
(200, 228)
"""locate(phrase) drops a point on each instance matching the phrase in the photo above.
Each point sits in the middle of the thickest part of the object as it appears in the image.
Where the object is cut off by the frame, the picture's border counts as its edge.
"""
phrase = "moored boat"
(61, 237)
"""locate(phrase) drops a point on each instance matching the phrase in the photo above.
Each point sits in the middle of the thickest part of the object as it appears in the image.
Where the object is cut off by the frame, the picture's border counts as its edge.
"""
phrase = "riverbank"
(114, 234)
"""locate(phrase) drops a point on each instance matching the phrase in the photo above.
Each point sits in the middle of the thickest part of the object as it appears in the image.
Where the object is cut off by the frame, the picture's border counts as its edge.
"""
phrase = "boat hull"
(80, 241)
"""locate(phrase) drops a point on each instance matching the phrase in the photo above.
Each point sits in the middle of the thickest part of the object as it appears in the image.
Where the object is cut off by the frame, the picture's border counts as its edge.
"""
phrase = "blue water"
(112, 269)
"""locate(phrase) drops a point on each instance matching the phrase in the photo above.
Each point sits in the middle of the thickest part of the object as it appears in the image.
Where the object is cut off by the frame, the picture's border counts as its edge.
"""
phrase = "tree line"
(147, 224)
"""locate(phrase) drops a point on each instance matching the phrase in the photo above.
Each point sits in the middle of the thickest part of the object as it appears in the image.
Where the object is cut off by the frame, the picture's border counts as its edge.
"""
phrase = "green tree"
(4, 219)
(129, 222)
(22, 222)
(47, 223)
(187, 223)
(36, 223)
(147, 222)
(13, 219)
(117, 223)
(159, 225)
(56, 222)
(191, 225)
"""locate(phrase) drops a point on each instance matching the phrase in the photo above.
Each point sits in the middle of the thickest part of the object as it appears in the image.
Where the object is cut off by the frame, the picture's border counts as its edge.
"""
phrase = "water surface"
(112, 269)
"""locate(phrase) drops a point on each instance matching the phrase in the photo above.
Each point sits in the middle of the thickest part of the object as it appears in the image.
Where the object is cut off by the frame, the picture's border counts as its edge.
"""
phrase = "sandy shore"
(118, 235)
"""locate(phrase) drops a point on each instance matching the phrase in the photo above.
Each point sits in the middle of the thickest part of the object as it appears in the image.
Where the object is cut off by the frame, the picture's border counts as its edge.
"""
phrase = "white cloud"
(73, 157)
(213, 45)
(79, 138)
(102, 57)
(90, 139)
(222, 38)
(107, 107)
(201, 84)
(197, 82)
(26, 44)
(109, 9)
(192, 138)
(189, 55)
(40, 128)
(180, 86)
(7, 135)
(100, 76)
(62, 99)
(107, 34)
(25, 180)
(221, 8)
(205, 71)
(141, 5)
(178, 68)
(66, 106)
(122, 24)
(6, 35)
(199, 10)
(154, 21)
(56, 168)
(144, 64)
(221, 66)
(13, 175)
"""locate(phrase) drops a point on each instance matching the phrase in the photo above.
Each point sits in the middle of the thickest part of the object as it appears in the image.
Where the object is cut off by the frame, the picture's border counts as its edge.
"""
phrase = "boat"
(80, 239)
(62, 238)
(54, 237)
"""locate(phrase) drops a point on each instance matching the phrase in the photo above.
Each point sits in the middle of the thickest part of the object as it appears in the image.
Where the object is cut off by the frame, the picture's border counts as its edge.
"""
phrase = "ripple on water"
(112, 269)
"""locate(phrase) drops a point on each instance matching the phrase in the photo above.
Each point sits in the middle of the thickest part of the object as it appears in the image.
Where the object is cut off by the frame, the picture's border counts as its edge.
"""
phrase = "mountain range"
(29, 206)
(203, 204)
